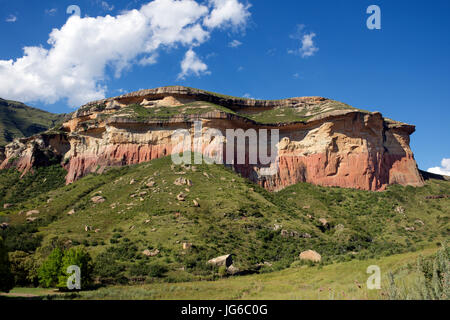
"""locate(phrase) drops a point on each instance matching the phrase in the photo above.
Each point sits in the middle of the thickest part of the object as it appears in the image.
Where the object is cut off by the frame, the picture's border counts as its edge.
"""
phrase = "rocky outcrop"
(310, 255)
(332, 146)
(40, 150)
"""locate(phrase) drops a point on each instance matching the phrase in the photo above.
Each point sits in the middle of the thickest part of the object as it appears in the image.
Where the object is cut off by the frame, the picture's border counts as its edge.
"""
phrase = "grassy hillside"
(265, 231)
(339, 281)
(18, 120)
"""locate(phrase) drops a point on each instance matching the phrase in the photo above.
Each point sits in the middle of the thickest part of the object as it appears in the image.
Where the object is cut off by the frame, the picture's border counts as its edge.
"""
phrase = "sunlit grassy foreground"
(346, 280)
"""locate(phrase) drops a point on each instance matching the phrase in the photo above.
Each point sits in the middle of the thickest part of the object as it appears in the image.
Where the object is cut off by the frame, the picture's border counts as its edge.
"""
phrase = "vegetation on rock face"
(140, 113)
(18, 120)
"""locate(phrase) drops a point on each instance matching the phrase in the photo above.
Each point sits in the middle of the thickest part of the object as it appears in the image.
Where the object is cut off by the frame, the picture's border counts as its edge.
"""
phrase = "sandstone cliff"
(322, 141)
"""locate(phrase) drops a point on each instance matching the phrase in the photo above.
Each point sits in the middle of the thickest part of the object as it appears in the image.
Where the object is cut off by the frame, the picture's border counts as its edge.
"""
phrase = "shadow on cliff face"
(428, 176)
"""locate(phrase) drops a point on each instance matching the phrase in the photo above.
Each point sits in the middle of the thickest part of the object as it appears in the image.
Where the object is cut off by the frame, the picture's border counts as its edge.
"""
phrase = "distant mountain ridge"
(18, 120)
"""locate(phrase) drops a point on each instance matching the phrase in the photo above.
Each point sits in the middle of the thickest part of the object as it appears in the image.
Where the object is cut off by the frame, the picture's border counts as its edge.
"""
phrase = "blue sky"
(402, 70)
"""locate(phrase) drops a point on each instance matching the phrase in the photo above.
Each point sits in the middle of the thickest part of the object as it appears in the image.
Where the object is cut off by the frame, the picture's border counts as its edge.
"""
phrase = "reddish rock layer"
(344, 148)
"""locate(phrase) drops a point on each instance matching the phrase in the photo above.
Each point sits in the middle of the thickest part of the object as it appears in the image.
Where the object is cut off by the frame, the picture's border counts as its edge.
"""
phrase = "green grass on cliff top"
(234, 217)
(272, 116)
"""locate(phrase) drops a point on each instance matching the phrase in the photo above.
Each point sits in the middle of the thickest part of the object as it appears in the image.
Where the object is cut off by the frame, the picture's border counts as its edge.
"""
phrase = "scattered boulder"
(4, 226)
(187, 246)
(232, 270)
(182, 182)
(7, 205)
(149, 253)
(206, 174)
(196, 204)
(410, 229)
(225, 260)
(400, 209)
(32, 219)
(143, 193)
(286, 234)
(419, 222)
(277, 227)
(307, 207)
(98, 199)
(181, 197)
(310, 255)
(339, 227)
(324, 222)
(71, 212)
(132, 181)
(151, 184)
(306, 236)
(31, 212)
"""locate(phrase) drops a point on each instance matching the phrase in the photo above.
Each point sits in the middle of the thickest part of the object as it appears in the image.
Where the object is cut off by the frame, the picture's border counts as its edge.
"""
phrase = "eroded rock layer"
(334, 145)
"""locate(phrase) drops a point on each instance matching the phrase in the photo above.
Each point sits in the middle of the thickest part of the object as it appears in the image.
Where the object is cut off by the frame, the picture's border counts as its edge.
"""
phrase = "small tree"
(6, 276)
(76, 257)
(50, 270)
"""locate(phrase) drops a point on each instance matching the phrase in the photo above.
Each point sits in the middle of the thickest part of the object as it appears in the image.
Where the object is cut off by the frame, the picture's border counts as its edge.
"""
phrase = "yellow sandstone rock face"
(343, 146)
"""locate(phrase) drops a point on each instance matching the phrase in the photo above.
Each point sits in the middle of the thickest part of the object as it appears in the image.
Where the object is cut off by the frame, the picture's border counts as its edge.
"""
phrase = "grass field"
(340, 281)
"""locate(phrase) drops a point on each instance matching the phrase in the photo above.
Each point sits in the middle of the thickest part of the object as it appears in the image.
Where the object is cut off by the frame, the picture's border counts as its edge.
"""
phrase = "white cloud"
(248, 96)
(51, 12)
(192, 65)
(74, 65)
(443, 170)
(150, 60)
(227, 13)
(235, 44)
(308, 47)
(11, 18)
(241, 68)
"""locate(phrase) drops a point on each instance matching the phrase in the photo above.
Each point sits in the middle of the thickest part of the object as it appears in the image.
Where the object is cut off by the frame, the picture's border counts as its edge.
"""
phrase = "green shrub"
(432, 280)
(6, 276)
(23, 267)
(222, 271)
(154, 270)
(21, 238)
(53, 272)
(76, 257)
(107, 269)
(50, 270)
